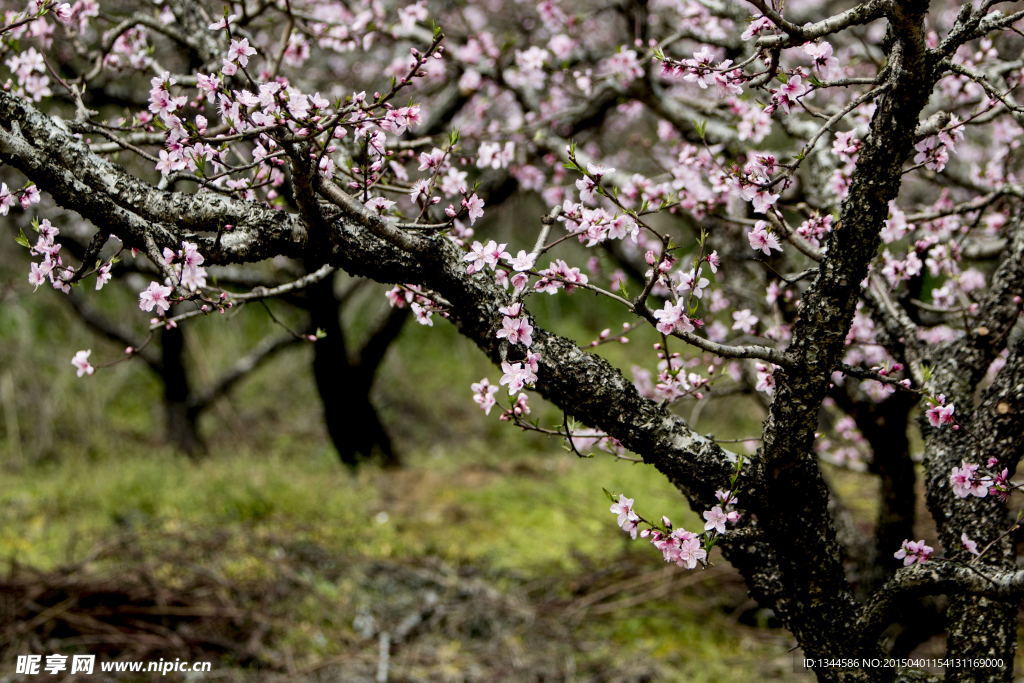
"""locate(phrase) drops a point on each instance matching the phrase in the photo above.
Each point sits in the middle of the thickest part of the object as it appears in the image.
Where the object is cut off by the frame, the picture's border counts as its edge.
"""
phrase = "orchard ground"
(490, 556)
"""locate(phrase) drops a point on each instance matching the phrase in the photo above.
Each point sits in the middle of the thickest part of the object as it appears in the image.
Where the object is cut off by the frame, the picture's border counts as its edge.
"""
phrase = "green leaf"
(22, 239)
(927, 373)
(700, 127)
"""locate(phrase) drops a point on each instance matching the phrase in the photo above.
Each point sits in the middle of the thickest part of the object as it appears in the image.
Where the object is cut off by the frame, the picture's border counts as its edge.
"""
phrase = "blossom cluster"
(50, 266)
(677, 545)
(970, 479)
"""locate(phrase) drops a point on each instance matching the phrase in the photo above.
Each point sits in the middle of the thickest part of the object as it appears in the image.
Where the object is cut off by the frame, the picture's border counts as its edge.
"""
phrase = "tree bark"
(351, 419)
(181, 422)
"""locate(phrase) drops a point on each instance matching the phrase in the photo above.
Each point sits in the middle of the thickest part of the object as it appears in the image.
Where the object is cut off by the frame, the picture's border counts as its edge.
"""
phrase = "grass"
(537, 518)
(529, 514)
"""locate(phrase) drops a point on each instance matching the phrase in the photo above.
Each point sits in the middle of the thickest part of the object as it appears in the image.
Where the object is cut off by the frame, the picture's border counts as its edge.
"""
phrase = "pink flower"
(431, 160)
(169, 161)
(1000, 484)
(239, 51)
(914, 551)
(208, 84)
(757, 26)
(223, 22)
(379, 204)
(627, 519)
(969, 545)
(714, 261)
(483, 394)
(155, 297)
(671, 318)
(761, 239)
(690, 553)
(786, 95)
(521, 405)
(932, 153)
(29, 196)
(424, 316)
(516, 376)
(36, 275)
(103, 276)
(744, 321)
(965, 481)
(493, 155)
(62, 11)
(81, 362)
(821, 55)
(481, 255)
(517, 331)
(940, 415)
(692, 282)
(715, 518)
(193, 275)
(7, 199)
(522, 261)
(475, 206)
(765, 379)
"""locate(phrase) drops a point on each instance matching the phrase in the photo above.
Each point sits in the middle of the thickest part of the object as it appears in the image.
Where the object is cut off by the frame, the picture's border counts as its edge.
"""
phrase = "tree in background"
(817, 205)
(343, 383)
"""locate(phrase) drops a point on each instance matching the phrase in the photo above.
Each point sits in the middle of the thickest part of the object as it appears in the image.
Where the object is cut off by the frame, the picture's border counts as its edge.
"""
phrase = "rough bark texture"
(822, 603)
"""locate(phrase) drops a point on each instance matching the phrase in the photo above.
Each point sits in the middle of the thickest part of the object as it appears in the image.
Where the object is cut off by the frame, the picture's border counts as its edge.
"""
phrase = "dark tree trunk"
(352, 422)
(180, 420)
